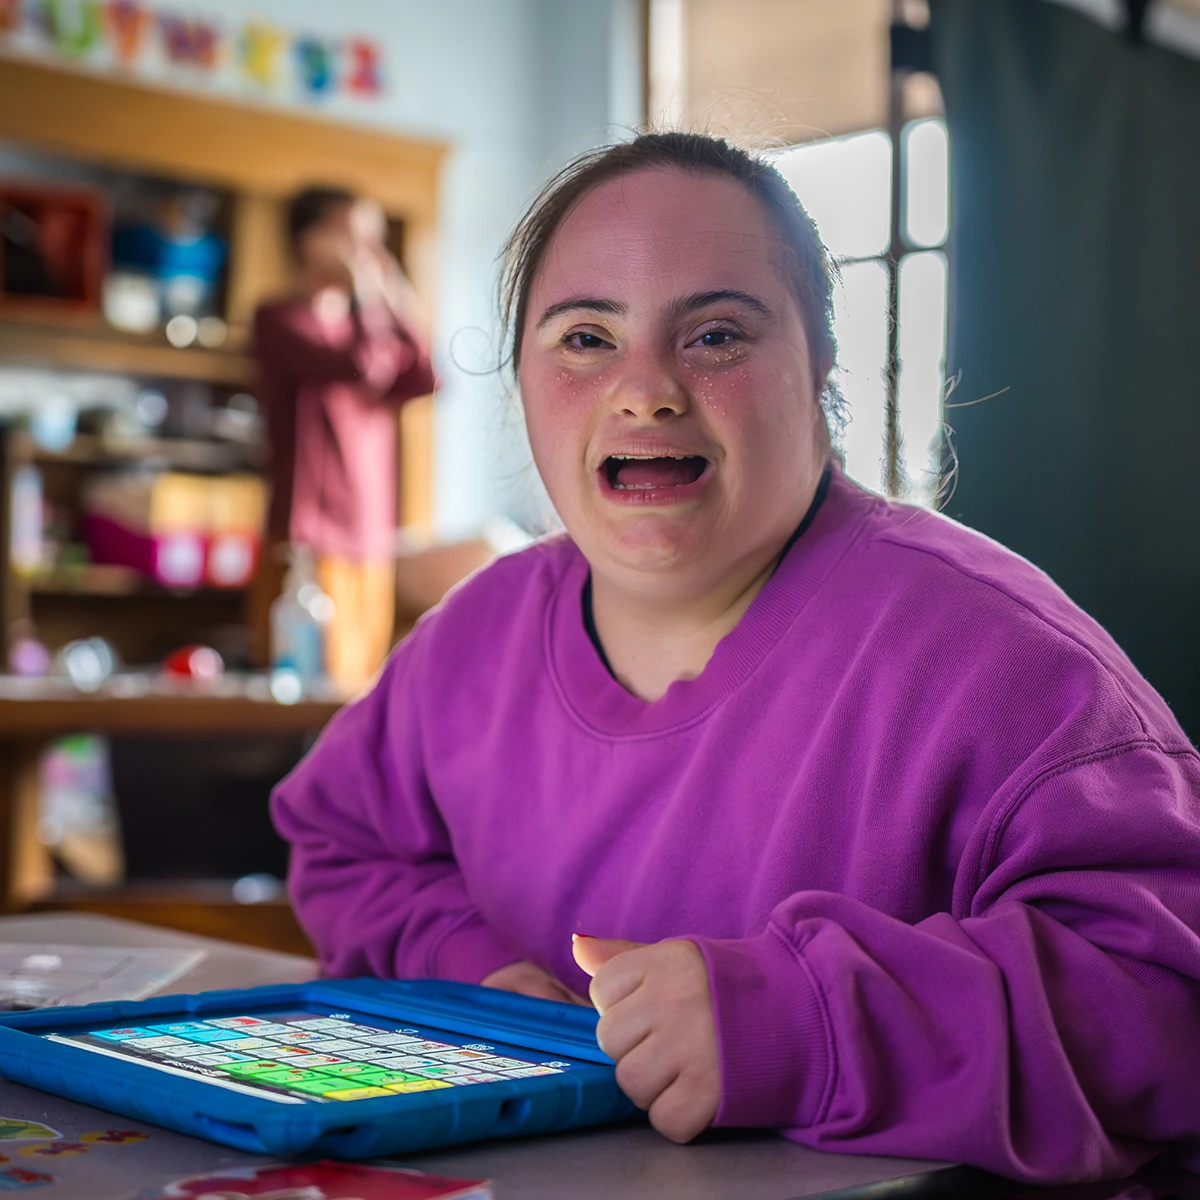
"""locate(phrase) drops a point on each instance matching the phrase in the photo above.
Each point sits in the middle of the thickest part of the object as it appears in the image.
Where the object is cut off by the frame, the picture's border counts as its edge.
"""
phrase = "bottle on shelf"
(26, 508)
(300, 617)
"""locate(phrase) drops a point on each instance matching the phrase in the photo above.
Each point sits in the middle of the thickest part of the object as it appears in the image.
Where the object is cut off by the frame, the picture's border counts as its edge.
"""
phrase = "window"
(846, 185)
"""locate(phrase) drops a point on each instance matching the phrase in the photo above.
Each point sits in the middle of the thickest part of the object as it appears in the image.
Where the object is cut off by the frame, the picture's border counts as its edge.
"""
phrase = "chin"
(653, 544)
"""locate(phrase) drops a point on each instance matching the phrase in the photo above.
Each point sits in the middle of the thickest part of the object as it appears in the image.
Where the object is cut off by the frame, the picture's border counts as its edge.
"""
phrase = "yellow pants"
(359, 637)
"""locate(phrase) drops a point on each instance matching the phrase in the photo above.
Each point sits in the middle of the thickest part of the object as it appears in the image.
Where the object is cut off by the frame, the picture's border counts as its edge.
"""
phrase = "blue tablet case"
(582, 1091)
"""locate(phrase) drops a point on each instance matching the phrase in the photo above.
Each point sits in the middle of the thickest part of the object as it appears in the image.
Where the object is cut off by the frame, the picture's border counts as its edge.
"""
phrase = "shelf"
(98, 348)
(50, 708)
(105, 579)
(91, 580)
(182, 454)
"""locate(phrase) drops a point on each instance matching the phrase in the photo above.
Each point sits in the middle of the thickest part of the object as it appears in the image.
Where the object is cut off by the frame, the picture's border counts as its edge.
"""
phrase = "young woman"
(868, 834)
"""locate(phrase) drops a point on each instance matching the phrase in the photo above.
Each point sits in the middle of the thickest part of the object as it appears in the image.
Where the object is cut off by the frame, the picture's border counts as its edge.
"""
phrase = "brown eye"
(584, 341)
(717, 339)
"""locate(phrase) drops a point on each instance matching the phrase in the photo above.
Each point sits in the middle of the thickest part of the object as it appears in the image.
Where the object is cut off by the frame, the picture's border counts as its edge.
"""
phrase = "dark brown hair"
(811, 275)
(312, 206)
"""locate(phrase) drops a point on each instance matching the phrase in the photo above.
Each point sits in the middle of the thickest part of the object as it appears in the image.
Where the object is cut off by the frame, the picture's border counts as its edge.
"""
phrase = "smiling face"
(670, 394)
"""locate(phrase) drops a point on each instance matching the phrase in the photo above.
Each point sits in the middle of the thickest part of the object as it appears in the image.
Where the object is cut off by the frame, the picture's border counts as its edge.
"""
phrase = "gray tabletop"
(630, 1162)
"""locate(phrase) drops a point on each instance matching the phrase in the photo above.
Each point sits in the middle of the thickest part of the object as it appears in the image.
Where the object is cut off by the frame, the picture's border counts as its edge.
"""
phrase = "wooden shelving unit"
(141, 618)
(178, 454)
(261, 156)
(255, 157)
(98, 348)
(107, 579)
(92, 579)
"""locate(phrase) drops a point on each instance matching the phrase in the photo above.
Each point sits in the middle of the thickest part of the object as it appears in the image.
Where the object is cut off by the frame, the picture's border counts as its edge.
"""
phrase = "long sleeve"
(1048, 1028)
(373, 876)
(370, 349)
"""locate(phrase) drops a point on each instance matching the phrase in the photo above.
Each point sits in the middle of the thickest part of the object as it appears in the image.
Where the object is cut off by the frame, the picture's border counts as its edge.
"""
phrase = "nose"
(648, 387)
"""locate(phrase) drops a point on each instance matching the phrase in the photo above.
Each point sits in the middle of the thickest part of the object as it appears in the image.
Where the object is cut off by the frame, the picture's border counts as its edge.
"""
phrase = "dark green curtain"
(1075, 284)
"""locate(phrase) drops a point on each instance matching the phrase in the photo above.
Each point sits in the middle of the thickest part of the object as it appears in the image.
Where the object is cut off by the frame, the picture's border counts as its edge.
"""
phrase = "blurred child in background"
(337, 356)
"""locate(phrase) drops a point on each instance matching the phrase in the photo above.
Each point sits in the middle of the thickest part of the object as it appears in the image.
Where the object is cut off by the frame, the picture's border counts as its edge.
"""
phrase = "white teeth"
(651, 457)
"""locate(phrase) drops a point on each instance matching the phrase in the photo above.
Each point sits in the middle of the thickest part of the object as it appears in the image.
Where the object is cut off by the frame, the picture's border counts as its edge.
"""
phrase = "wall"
(514, 86)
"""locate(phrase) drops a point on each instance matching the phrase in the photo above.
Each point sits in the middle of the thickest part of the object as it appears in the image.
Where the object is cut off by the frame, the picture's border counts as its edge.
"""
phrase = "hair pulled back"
(311, 206)
(810, 273)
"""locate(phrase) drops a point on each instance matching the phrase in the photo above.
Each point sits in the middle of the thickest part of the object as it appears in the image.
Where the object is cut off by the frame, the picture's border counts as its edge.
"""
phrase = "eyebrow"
(588, 303)
(689, 304)
(680, 308)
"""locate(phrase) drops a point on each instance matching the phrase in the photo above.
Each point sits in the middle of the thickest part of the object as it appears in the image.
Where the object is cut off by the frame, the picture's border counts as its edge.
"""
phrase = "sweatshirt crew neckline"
(602, 706)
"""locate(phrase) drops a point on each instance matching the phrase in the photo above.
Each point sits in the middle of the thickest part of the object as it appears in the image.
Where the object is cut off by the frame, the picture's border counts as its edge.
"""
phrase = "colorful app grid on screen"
(299, 1057)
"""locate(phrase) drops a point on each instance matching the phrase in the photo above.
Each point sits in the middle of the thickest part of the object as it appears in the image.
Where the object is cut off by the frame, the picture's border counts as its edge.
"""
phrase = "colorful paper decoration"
(126, 23)
(10, 16)
(127, 32)
(73, 29)
(189, 43)
(365, 75)
(315, 64)
(260, 46)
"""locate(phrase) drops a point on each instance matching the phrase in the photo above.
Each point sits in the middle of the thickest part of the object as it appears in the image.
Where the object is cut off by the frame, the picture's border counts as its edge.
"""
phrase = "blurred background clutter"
(1010, 189)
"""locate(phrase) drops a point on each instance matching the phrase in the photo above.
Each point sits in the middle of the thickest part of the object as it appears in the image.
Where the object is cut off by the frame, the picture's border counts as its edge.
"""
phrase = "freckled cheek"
(558, 414)
(738, 398)
(757, 416)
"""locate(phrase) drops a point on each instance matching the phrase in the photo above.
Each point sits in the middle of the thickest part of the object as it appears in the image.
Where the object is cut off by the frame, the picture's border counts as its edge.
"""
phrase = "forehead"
(661, 228)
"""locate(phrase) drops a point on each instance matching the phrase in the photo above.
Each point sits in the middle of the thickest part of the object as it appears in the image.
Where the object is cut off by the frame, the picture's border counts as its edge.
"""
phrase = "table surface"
(628, 1162)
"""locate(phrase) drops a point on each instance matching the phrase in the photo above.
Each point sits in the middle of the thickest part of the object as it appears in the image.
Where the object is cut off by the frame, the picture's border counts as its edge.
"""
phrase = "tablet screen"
(297, 1057)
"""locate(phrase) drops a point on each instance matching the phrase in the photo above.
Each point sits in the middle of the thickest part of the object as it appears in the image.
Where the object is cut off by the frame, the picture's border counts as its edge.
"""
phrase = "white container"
(25, 535)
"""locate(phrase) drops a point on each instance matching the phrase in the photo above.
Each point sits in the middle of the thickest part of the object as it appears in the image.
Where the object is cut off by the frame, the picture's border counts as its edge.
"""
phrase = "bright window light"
(922, 315)
(860, 325)
(927, 196)
(845, 183)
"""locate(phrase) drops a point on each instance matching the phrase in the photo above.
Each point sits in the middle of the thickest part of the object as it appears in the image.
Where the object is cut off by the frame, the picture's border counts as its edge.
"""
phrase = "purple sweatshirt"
(936, 838)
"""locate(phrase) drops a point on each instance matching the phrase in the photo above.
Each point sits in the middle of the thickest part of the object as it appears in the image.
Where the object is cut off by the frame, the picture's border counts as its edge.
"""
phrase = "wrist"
(772, 1033)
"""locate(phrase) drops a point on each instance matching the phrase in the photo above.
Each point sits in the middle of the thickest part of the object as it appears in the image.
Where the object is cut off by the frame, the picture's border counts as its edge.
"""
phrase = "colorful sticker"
(16, 1129)
(330, 1180)
(54, 1149)
(113, 1137)
(18, 1179)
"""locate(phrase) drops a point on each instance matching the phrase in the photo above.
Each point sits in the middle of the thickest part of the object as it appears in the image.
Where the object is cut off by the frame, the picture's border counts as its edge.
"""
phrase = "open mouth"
(630, 472)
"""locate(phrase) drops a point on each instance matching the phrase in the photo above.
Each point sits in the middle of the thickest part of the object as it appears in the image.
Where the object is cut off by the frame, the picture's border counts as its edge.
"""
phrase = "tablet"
(349, 1068)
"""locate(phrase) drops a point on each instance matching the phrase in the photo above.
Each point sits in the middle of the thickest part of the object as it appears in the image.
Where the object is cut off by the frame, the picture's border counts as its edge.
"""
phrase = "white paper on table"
(33, 976)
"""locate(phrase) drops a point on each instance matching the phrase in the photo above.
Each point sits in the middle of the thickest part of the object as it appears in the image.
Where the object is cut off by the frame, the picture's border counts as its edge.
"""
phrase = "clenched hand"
(656, 1024)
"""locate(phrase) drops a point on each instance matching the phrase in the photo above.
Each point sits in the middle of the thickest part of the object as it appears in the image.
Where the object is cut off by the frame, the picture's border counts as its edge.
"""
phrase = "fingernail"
(576, 936)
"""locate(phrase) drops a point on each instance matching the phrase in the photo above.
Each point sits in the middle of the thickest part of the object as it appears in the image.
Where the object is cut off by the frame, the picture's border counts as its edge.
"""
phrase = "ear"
(592, 953)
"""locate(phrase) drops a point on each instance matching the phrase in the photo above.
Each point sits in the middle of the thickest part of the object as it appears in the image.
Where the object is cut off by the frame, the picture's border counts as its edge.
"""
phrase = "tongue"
(660, 472)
